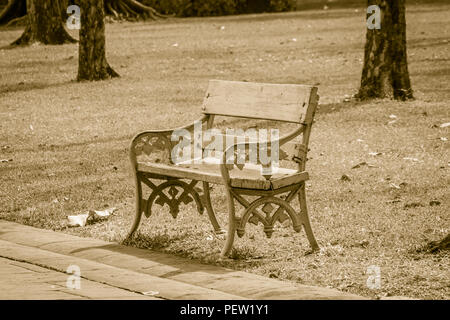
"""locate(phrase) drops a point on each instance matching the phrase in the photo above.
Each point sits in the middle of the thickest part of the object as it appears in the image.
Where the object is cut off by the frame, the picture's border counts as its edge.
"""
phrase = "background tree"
(131, 10)
(385, 71)
(92, 64)
(120, 9)
(44, 24)
(13, 11)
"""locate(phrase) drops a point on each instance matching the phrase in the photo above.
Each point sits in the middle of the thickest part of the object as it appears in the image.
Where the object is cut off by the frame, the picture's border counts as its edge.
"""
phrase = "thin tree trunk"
(92, 64)
(385, 71)
(44, 24)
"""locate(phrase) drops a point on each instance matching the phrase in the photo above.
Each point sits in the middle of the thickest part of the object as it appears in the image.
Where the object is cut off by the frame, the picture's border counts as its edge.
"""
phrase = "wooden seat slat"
(247, 178)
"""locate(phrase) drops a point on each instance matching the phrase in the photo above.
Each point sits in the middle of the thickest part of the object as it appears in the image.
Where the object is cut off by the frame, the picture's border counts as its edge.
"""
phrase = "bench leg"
(231, 226)
(210, 210)
(304, 218)
(139, 209)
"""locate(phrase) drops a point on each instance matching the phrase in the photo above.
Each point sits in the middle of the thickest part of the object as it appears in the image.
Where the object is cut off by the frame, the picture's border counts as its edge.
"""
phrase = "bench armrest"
(225, 166)
(156, 145)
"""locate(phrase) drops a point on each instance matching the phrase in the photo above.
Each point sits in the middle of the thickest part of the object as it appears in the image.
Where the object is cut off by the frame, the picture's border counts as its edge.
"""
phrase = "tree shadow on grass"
(337, 107)
(428, 42)
(292, 15)
(28, 86)
(11, 47)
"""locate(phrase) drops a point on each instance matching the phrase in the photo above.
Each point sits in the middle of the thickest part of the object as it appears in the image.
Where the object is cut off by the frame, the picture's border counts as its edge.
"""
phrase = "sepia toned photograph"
(221, 155)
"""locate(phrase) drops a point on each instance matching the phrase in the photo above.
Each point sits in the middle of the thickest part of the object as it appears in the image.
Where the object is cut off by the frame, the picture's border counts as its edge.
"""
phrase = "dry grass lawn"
(69, 141)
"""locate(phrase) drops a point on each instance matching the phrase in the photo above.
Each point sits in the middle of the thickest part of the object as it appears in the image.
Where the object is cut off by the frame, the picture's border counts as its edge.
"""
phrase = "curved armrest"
(157, 143)
(225, 166)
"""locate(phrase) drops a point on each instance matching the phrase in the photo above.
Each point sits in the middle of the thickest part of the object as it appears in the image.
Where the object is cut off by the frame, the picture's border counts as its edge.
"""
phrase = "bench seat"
(209, 171)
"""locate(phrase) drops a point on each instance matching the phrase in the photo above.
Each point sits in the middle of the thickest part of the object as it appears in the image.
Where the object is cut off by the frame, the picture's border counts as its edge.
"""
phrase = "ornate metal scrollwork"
(272, 215)
(153, 147)
(177, 192)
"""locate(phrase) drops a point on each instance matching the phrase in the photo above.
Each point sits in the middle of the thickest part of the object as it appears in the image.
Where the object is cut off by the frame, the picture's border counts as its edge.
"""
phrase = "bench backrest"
(281, 102)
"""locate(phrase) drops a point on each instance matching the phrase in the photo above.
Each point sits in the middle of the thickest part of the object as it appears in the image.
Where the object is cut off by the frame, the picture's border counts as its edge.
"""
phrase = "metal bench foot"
(209, 209)
(304, 217)
(231, 226)
(139, 207)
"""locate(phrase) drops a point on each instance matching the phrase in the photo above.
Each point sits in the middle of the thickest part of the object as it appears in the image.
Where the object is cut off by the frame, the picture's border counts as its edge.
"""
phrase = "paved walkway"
(33, 265)
(22, 280)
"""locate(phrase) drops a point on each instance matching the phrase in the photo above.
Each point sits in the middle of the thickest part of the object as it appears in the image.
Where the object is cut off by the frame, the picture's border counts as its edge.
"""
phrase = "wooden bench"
(264, 195)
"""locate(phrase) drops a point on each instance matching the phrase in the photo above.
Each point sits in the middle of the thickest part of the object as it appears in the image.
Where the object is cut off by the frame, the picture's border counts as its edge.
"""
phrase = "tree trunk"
(44, 24)
(385, 72)
(92, 64)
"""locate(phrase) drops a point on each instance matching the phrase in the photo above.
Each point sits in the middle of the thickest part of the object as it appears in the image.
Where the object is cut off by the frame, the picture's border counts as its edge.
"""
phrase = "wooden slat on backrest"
(282, 102)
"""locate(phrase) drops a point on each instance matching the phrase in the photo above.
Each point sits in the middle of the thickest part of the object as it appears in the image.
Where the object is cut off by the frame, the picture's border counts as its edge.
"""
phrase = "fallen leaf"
(93, 215)
(435, 203)
(150, 293)
(361, 164)
(412, 159)
(78, 220)
(364, 243)
(413, 205)
(105, 213)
